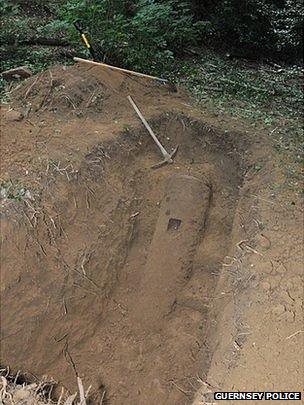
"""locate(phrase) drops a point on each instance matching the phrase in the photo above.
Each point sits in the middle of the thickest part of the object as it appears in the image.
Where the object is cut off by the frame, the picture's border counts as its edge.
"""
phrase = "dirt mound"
(84, 221)
(79, 89)
(63, 112)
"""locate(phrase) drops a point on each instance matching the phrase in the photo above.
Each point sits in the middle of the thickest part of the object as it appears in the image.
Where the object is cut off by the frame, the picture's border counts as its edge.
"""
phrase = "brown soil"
(76, 289)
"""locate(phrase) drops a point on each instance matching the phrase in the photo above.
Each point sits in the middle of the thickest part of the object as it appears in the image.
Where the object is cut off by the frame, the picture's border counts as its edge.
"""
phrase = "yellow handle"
(85, 40)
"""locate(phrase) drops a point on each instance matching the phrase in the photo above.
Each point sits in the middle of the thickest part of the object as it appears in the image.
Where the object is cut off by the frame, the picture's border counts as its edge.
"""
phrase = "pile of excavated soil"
(60, 114)
(85, 219)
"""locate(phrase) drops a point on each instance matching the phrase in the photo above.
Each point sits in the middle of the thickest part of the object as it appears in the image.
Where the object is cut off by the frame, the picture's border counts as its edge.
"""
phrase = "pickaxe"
(168, 157)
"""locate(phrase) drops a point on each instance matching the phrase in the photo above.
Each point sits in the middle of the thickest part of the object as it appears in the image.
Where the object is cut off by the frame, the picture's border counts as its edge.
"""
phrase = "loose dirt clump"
(77, 239)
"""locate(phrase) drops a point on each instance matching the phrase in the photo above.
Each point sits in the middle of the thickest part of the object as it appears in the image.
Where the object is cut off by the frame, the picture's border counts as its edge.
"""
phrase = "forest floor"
(84, 219)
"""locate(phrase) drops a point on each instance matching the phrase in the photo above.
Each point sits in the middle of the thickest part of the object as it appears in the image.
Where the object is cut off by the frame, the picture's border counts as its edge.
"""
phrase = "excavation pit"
(75, 259)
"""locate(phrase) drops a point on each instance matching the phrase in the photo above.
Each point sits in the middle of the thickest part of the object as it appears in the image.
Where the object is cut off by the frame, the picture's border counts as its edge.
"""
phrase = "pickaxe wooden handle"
(168, 157)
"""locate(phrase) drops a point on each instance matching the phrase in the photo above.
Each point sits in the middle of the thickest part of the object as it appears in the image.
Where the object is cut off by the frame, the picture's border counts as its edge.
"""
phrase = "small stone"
(20, 72)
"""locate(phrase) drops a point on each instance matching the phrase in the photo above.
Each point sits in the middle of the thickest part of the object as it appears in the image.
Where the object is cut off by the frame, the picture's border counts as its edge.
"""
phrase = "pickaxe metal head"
(168, 159)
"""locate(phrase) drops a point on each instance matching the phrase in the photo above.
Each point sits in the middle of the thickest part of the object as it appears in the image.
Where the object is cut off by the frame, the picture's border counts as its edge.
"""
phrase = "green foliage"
(265, 95)
(8, 7)
(17, 24)
(131, 31)
(149, 35)
(24, 20)
(258, 28)
(13, 191)
(55, 29)
(287, 23)
(259, 88)
(144, 34)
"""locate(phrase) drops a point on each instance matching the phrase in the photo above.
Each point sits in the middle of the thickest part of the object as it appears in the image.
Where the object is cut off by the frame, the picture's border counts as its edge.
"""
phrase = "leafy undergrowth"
(274, 90)
(267, 96)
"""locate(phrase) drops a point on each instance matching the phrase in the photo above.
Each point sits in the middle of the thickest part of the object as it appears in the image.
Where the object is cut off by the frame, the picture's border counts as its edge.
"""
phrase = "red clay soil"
(80, 231)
